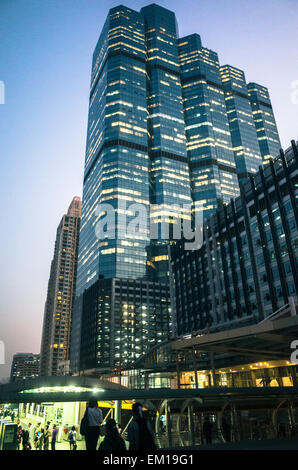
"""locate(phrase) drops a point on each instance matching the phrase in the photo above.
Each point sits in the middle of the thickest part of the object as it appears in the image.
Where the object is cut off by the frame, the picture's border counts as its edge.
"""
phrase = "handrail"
(284, 307)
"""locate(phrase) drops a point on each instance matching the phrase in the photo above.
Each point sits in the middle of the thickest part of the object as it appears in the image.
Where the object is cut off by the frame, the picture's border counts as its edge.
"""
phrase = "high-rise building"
(24, 366)
(264, 121)
(122, 320)
(242, 126)
(209, 146)
(117, 160)
(61, 286)
(160, 138)
(247, 266)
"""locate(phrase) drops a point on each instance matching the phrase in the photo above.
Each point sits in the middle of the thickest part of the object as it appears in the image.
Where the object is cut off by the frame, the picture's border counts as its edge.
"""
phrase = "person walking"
(139, 431)
(46, 437)
(90, 426)
(112, 441)
(72, 438)
(54, 437)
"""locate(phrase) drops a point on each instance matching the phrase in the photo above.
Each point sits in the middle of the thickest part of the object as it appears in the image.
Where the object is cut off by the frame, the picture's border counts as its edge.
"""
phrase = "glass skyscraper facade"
(209, 146)
(242, 126)
(161, 133)
(117, 161)
(169, 170)
(247, 266)
(167, 126)
(264, 121)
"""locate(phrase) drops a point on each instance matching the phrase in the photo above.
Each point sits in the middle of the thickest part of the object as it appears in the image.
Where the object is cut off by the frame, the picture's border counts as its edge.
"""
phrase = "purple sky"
(46, 49)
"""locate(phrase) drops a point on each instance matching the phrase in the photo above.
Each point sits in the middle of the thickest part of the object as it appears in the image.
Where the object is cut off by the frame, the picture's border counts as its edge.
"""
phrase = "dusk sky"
(46, 49)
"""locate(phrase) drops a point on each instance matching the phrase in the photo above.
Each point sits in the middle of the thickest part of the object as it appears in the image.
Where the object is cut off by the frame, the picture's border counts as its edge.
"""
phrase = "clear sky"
(46, 48)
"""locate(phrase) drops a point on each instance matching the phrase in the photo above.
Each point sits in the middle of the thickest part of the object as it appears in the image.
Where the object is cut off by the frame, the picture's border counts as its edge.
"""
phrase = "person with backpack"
(90, 425)
(37, 437)
(112, 441)
(25, 439)
(139, 431)
(72, 438)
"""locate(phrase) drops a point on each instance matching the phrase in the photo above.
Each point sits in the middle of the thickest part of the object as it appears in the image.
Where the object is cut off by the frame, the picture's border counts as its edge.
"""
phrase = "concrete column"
(213, 369)
(118, 411)
(234, 422)
(195, 368)
(291, 415)
(168, 424)
(191, 426)
(178, 373)
(292, 374)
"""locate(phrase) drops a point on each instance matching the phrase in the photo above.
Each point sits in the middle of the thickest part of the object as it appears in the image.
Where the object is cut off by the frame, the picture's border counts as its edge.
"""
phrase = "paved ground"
(272, 444)
(264, 444)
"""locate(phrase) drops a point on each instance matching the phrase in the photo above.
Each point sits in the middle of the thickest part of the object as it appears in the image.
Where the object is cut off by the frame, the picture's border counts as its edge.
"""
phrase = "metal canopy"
(208, 399)
(268, 340)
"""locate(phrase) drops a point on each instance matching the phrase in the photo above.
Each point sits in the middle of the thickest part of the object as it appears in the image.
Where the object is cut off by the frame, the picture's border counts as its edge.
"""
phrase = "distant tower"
(58, 307)
(24, 366)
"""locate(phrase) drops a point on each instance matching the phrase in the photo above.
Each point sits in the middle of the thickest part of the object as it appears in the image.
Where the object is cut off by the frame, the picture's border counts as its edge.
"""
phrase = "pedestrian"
(31, 436)
(112, 441)
(25, 439)
(207, 430)
(19, 435)
(54, 437)
(139, 431)
(90, 426)
(37, 436)
(72, 438)
(46, 437)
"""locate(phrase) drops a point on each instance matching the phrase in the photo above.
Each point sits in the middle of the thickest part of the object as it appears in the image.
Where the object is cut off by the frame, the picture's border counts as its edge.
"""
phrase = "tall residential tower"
(58, 307)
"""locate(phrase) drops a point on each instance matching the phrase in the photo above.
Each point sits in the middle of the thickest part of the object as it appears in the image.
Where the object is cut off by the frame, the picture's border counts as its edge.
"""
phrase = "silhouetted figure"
(207, 431)
(139, 432)
(112, 441)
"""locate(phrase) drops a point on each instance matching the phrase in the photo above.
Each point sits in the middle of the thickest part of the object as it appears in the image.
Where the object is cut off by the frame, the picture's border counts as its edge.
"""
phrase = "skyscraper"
(211, 157)
(162, 134)
(242, 126)
(117, 161)
(58, 307)
(264, 121)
